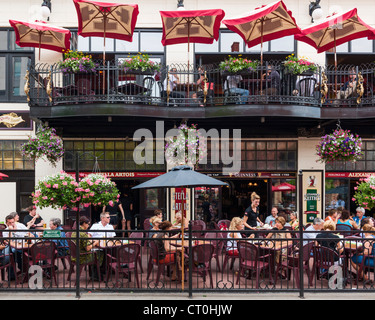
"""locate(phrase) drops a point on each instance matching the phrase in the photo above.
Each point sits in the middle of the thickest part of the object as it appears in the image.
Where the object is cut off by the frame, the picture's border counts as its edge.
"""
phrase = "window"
(143, 40)
(11, 156)
(228, 40)
(257, 155)
(365, 164)
(112, 155)
(13, 66)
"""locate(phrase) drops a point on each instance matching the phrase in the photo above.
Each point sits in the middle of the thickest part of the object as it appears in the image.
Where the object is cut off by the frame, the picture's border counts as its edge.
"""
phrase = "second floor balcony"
(208, 91)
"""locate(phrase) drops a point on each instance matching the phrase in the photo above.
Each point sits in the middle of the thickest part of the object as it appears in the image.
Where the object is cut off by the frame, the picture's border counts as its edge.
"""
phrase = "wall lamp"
(46, 10)
(315, 10)
(180, 4)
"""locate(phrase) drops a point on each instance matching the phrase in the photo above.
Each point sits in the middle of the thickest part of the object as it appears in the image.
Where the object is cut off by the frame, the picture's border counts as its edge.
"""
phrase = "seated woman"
(330, 240)
(155, 222)
(294, 222)
(368, 249)
(167, 253)
(179, 220)
(236, 225)
(279, 226)
(85, 246)
(345, 219)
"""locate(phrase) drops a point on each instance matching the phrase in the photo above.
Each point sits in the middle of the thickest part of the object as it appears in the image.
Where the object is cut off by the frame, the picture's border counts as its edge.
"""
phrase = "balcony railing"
(348, 86)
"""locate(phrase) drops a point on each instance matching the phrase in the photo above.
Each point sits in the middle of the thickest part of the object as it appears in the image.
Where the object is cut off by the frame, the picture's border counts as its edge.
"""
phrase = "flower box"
(235, 65)
(299, 66)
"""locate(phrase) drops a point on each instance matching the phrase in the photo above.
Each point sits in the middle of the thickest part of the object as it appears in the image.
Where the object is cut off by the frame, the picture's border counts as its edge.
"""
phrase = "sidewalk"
(184, 296)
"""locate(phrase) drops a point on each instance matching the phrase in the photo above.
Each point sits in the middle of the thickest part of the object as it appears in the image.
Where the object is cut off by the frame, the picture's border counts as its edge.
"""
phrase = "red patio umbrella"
(106, 20)
(191, 26)
(284, 187)
(334, 31)
(269, 22)
(3, 175)
(39, 34)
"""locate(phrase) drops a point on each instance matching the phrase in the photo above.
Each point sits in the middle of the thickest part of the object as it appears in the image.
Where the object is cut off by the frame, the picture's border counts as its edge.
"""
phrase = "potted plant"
(45, 144)
(97, 189)
(341, 145)
(364, 194)
(299, 66)
(139, 64)
(188, 147)
(77, 62)
(57, 191)
(236, 65)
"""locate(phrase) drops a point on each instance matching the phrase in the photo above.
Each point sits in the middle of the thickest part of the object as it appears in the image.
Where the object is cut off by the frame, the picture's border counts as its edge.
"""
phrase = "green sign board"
(51, 234)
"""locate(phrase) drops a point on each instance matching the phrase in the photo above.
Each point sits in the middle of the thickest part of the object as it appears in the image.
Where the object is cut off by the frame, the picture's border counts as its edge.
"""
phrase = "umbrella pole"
(104, 29)
(261, 58)
(188, 84)
(334, 35)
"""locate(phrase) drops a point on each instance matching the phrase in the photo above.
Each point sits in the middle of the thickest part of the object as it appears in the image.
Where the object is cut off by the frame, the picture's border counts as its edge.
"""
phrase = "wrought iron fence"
(175, 85)
(205, 261)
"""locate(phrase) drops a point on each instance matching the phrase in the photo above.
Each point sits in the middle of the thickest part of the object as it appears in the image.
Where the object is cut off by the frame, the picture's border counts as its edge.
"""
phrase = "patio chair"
(125, 262)
(148, 84)
(324, 258)
(6, 264)
(251, 261)
(138, 236)
(155, 260)
(218, 245)
(43, 254)
(74, 253)
(202, 255)
(306, 87)
(292, 263)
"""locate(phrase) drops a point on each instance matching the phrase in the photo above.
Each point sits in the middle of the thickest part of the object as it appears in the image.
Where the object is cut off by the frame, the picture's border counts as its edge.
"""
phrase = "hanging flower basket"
(341, 145)
(61, 191)
(364, 195)
(96, 189)
(56, 191)
(188, 147)
(45, 144)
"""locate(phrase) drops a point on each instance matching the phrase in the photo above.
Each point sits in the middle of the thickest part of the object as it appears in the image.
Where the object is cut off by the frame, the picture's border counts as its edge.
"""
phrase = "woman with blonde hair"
(251, 215)
(236, 225)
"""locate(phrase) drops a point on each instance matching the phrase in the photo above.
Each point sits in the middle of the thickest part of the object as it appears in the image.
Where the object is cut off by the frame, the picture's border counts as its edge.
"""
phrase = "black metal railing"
(206, 261)
(348, 86)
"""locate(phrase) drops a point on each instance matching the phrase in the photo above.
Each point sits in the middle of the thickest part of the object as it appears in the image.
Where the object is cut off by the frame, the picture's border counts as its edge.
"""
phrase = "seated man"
(273, 79)
(231, 84)
(172, 83)
(349, 87)
(102, 229)
(33, 220)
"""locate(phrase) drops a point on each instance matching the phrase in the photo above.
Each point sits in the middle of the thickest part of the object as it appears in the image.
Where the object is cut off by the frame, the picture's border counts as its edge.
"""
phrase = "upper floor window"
(143, 41)
(11, 157)
(13, 66)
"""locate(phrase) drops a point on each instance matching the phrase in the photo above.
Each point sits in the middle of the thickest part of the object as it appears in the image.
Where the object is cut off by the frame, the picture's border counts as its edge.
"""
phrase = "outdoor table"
(351, 247)
(131, 88)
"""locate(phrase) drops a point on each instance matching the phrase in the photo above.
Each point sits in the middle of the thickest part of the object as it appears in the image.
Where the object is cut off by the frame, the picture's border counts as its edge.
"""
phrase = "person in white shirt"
(103, 229)
(270, 220)
(317, 226)
(169, 84)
